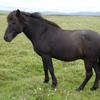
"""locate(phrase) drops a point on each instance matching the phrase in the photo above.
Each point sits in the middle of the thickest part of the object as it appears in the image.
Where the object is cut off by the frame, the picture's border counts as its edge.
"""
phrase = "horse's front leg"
(47, 61)
(46, 73)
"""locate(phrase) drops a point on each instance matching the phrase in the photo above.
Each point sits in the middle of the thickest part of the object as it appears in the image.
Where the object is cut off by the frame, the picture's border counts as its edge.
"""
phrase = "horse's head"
(16, 24)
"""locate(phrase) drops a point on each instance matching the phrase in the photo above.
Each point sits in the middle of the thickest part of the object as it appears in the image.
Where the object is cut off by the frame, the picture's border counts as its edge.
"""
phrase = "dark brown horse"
(49, 40)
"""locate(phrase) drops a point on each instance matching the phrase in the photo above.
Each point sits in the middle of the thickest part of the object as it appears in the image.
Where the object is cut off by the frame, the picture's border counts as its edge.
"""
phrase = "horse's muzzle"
(8, 38)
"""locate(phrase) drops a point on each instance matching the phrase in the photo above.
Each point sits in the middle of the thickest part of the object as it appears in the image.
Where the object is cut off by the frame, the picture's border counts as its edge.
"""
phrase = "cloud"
(51, 5)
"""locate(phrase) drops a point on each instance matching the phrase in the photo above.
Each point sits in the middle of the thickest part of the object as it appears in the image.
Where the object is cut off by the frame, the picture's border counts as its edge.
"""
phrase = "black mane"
(34, 15)
(38, 15)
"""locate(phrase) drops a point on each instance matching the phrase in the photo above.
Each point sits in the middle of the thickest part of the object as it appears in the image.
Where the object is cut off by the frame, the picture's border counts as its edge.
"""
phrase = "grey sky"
(51, 5)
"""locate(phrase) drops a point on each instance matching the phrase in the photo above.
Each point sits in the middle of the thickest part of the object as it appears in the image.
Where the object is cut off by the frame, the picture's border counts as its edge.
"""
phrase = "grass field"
(21, 69)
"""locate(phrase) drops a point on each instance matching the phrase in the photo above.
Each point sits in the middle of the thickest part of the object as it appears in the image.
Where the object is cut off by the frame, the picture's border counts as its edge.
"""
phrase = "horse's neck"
(33, 29)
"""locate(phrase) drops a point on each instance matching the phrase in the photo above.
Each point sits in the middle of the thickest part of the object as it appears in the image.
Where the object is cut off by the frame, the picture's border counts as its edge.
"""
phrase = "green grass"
(21, 69)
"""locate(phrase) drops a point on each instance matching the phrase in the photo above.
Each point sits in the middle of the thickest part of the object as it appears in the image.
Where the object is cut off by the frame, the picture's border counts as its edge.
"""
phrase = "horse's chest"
(41, 48)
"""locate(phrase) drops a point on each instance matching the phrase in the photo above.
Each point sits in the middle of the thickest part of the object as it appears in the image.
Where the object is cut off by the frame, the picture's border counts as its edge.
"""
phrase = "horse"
(51, 41)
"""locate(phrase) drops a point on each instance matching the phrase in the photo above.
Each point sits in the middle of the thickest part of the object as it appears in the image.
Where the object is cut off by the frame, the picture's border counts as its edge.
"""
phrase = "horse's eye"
(14, 22)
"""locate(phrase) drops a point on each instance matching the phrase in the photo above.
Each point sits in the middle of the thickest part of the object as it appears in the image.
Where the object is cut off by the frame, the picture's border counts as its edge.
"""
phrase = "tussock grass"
(21, 69)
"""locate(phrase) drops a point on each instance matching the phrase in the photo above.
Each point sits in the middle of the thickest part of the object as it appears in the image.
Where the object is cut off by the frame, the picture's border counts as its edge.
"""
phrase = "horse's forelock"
(11, 16)
(21, 17)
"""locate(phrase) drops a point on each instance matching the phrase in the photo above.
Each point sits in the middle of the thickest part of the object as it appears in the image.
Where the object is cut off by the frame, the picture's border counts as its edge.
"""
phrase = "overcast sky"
(51, 5)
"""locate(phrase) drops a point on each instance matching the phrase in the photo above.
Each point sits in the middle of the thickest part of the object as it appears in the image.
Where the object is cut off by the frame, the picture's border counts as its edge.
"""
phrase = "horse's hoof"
(79, 89)
(93, 88)
(46, 81)
(53, 86)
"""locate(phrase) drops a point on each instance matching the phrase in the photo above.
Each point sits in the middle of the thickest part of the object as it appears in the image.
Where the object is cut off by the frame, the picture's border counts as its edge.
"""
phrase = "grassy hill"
(21, 69)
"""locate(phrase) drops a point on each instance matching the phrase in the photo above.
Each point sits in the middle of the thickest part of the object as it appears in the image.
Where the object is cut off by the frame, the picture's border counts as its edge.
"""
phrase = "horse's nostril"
(6, 39)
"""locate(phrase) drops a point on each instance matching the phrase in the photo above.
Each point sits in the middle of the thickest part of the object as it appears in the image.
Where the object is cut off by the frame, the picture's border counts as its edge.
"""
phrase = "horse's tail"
(99, 60)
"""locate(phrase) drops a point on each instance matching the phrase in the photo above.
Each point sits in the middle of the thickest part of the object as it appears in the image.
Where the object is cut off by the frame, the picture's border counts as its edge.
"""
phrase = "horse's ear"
(17, 12)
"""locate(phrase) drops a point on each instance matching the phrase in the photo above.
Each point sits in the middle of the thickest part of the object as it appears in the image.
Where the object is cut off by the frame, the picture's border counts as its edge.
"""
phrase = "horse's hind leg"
(89, 73)
(97, 71)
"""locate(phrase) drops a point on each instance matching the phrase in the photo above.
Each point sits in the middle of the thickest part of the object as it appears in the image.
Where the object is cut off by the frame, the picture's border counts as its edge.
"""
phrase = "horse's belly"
(67, 56)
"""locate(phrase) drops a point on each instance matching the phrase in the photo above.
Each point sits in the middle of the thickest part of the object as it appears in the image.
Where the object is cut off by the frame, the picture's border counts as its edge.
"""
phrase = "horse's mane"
(24, 19)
